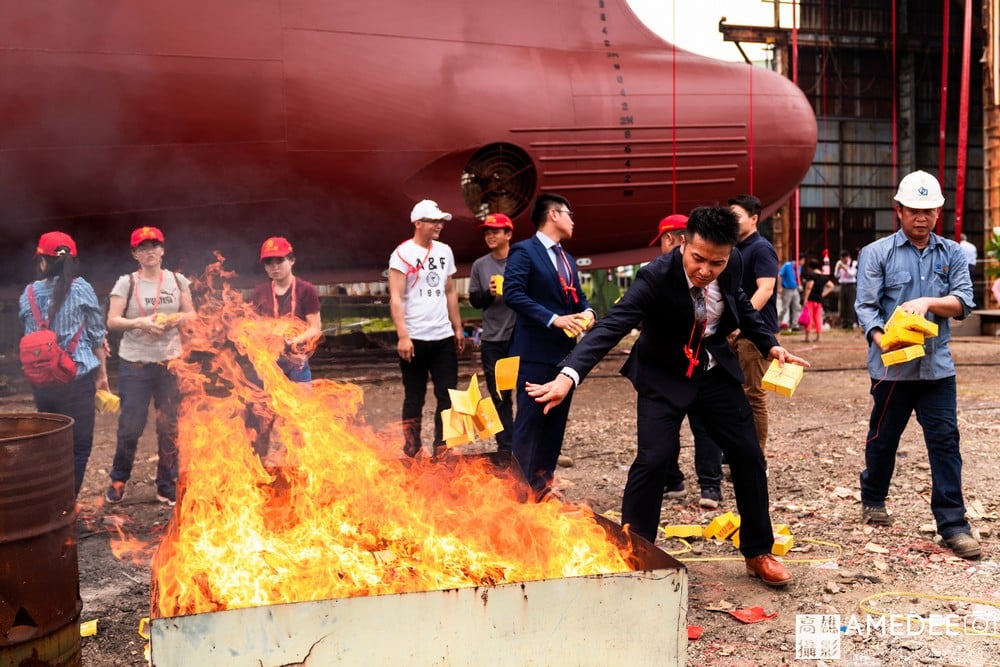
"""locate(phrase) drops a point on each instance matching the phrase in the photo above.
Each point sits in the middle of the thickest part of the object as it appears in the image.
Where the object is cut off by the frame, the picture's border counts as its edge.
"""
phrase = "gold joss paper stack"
(909, 330)
(471, 414)
(782, 379)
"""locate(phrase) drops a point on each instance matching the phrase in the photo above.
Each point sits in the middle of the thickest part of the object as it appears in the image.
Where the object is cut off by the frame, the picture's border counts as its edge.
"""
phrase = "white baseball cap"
(918, 189)
(427, 209)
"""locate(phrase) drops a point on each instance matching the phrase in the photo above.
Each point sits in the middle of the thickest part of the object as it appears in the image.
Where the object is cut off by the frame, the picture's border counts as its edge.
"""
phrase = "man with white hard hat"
(927, 275)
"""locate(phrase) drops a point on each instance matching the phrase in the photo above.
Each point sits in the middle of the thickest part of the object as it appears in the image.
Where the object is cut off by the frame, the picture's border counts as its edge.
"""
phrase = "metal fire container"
(636, 618)
(39, 579)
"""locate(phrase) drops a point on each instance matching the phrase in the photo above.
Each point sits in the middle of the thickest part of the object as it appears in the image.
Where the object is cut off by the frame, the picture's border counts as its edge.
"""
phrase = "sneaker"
(115, 493)
(710, 498)
(964, 545)
(876, 514)
(678, 491)
(168, 496)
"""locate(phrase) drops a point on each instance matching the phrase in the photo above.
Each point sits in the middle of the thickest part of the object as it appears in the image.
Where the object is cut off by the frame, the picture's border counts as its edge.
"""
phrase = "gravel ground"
(815, 455)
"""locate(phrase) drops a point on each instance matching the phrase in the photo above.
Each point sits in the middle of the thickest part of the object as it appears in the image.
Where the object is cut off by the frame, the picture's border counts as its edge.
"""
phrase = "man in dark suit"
(542, 286)
(688, 301)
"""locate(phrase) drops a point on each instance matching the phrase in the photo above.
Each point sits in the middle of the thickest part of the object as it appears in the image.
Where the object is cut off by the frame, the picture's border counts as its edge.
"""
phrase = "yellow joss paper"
(782, 544)
(486, 419)
(910, 322)
(903, 355)
(106, 401)
(463, 401)
(453, 431)
(506, 373)
(165, 320)
(584, 318)
(682, 531)
(782, 379)
(722, 526)
(88, 628)
(896, 335)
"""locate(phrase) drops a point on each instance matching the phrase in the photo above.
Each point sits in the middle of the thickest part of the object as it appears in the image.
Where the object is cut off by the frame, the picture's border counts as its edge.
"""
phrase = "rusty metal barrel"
(39, 577)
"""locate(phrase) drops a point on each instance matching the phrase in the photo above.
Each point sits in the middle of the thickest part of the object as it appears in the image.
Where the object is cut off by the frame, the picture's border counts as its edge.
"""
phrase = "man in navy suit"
(688, 301)
(542, 286)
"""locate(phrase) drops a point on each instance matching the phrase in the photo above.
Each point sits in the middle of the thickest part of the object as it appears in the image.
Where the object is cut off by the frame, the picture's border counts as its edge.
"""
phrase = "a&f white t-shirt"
(424, 302)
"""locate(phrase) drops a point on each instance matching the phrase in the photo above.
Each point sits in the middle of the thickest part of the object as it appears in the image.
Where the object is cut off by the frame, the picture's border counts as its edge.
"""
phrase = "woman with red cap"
(287, 295)
(147, 306)
(64, 302)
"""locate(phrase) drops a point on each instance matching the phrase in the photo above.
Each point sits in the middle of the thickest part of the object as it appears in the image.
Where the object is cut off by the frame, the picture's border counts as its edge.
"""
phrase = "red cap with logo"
(497, 221)
(143, 234)
(671, 223)
(54, 244)
(276, 246)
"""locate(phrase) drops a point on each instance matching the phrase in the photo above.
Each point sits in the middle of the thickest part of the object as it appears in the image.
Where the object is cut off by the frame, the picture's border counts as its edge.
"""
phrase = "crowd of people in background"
(708, 309)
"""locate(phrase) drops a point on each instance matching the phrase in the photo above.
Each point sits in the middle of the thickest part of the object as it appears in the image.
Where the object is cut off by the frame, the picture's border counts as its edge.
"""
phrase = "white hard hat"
(427, 209)
(919, 189)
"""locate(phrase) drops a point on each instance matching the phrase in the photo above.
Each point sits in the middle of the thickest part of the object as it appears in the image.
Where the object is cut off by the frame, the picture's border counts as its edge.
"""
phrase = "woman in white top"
(147, 306)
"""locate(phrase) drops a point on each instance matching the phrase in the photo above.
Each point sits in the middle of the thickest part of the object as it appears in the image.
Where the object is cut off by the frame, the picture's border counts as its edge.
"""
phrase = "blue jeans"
(935, 404)
(439, 360)
(491, 352)
(139, 383)
(76, 400)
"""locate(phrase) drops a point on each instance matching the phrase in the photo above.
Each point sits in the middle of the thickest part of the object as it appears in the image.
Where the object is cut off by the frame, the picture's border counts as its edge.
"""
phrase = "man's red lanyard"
(693, 356)
(410, 268)
(274, 298)
(567, 288)
(156, 302)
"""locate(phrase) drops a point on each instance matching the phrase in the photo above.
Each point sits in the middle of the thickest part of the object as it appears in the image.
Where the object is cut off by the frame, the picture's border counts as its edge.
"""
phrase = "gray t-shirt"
(140, 297)
(498, 319)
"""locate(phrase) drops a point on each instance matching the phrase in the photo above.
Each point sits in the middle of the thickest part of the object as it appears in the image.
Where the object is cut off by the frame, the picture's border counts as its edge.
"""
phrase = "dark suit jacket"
(531, 288)
(661, 301)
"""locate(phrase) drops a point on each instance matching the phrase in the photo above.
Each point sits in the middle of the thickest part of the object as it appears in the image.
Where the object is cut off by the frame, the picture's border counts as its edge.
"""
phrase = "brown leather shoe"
(769, 569)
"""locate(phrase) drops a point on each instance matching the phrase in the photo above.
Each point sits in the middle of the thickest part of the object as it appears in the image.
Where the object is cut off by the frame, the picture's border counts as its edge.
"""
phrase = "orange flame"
(332, 511)
(126, 546)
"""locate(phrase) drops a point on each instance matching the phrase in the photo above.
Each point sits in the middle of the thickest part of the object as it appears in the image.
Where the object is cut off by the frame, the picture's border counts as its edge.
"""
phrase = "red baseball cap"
(669, 224)
(276, 246)
(143, 234)
(497, 221)
(49, 244)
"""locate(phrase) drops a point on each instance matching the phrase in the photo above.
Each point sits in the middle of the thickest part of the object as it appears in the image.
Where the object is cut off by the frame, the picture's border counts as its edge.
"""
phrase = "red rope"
(795, 80)
(751, 129)
(895, 93)
(943, 127)
(673, 103)
(963, 122)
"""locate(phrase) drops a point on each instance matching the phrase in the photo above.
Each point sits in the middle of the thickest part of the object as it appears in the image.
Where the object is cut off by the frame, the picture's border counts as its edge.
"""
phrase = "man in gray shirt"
(486, 292)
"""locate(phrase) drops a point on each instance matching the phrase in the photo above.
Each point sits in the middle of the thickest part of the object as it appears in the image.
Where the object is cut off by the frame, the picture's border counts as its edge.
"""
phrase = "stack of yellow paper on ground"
(783, 540)
(682, 531)
(908, 329)
(469, 415)
(106, 401)
(782, 379)
(722, 526)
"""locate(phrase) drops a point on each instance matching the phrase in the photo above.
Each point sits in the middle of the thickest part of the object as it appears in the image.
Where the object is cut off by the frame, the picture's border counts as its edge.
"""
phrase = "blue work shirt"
(892, 271)
(79, 309)
(789, 275)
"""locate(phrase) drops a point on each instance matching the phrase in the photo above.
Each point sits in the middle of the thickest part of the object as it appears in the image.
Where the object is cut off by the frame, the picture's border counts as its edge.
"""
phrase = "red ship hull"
(225, 121)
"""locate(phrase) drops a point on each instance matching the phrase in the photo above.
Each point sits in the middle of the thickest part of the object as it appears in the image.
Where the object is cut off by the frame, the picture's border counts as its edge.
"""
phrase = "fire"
(332, 511)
